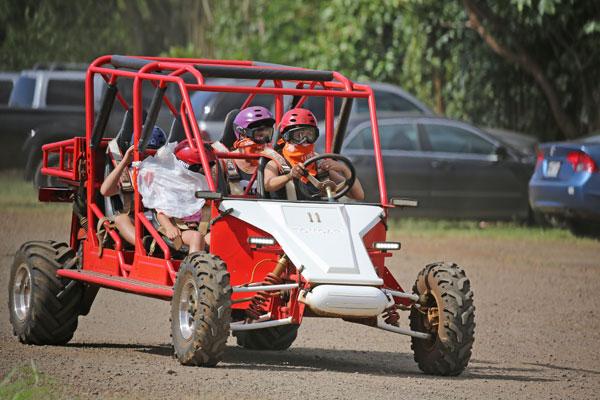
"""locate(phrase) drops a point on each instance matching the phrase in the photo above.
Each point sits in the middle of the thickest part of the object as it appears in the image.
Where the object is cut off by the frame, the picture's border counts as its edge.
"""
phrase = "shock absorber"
(391, 316)
(256, 309)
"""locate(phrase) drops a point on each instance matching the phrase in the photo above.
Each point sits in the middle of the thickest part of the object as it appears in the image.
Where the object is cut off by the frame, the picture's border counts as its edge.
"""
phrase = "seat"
(123, 140)
(176, 253)
(228, 138)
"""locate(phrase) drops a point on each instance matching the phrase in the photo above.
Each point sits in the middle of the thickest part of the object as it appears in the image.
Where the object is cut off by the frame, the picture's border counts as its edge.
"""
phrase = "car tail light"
(540, 157)
(580, 162)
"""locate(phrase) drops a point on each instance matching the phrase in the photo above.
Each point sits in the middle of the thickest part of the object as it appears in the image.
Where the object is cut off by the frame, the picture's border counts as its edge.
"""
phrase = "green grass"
(460, 228)
(27, 383)
(17, 194)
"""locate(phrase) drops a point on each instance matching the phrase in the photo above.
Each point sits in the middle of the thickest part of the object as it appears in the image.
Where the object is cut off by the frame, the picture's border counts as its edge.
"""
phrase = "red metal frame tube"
(131, 286)
(276, 91)
(328, 123)
(239, 156)
(90, 155)
(252, 95)
(153, 232)
(278, 102)
(377, 147)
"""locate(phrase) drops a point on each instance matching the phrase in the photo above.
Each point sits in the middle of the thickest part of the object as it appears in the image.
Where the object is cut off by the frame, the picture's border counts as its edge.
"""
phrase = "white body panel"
(323, 240)
(347, 301)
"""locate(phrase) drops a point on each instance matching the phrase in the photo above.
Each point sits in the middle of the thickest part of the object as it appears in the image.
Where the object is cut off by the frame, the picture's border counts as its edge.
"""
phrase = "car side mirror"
(502, 153)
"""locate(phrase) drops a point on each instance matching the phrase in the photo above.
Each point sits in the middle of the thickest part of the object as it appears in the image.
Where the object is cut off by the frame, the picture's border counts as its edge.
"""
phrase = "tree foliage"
(527, 65)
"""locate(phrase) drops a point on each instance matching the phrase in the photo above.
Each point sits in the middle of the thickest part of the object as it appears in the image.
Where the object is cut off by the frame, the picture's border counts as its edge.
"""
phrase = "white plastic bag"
(167, 185)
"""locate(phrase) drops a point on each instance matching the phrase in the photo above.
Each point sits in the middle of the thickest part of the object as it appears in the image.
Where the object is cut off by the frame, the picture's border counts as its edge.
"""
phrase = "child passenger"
(119, 183)
(184, 230)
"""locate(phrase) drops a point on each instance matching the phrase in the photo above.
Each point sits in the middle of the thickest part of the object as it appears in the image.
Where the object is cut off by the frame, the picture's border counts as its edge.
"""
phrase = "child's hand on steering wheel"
(332, 165)
(298, 171)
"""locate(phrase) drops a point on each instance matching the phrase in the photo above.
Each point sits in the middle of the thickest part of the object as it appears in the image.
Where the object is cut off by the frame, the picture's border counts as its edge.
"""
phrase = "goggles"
(260, 134)
(302, 134)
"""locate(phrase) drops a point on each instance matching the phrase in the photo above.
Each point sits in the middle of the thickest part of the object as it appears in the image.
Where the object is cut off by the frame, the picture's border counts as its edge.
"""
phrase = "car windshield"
(592, 139)
(22, 94)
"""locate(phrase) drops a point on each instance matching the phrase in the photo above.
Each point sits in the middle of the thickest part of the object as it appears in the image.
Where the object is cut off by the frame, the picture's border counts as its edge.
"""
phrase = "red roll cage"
(187, 75)
(162, 71)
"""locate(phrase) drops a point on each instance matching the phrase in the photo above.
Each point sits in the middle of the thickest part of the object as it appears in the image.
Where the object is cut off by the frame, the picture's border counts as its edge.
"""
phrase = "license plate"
(552, 169)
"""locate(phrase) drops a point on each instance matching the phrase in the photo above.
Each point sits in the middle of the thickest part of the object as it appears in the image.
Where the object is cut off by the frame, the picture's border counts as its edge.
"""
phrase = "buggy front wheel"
(446, 312)
(201, 310)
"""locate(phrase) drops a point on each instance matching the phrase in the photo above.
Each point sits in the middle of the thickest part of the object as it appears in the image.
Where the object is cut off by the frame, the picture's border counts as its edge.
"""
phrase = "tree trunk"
(521, 58)
(438, 85)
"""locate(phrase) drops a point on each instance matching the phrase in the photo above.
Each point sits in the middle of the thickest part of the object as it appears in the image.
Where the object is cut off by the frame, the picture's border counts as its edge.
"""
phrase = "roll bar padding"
(222, 71)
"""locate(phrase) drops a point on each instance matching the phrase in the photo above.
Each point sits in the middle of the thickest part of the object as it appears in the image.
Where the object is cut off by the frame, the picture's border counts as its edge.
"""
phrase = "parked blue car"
(566, 184)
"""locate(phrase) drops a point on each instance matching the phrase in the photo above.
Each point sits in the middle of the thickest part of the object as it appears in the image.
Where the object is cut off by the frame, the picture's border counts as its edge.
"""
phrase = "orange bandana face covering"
(298, 153)
(247, 146)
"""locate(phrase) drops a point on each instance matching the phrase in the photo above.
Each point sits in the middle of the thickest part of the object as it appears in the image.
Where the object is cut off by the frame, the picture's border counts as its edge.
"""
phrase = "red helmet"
(295, 117)
(184, 152)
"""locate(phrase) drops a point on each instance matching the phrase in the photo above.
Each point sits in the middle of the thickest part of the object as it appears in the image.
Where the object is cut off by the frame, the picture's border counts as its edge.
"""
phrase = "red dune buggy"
(270, 263)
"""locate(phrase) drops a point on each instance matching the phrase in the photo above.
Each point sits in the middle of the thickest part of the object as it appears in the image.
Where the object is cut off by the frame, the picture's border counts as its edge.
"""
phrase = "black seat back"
(228, 138)
(126, 130)
(177, 132)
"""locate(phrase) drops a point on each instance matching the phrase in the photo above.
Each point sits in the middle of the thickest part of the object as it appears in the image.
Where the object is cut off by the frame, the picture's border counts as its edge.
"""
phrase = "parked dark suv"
(47, 106)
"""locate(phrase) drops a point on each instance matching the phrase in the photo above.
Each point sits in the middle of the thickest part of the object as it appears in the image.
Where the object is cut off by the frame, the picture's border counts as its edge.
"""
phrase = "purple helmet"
(251, 117)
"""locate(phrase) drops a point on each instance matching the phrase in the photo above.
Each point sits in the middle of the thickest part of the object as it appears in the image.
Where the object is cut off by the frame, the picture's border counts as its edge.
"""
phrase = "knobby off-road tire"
(584, 229)
(43, 307)
(275, 338)
(201, 310)
(445, 286)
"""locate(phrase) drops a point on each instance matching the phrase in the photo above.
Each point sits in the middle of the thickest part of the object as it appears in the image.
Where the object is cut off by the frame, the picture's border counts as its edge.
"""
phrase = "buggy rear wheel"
(448, 314)
(274, 338)
(201, 310)
(43, 307)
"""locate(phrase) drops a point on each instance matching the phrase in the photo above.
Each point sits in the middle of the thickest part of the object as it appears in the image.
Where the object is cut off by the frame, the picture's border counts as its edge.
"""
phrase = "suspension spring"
(256, 309)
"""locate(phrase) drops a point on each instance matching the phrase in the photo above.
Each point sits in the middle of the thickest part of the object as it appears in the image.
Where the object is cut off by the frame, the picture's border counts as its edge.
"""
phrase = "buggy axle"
(403, 331)
(265, 288)
(244, 326)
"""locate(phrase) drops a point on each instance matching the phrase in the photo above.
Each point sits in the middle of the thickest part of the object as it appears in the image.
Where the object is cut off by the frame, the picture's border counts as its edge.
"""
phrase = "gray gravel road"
(537, 335)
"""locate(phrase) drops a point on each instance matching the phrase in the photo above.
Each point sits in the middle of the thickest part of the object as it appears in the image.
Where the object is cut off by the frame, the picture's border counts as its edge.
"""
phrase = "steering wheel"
(327, 187)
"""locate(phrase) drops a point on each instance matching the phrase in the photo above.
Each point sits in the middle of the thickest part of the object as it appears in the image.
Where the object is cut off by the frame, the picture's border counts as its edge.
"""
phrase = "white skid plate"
(324, 239)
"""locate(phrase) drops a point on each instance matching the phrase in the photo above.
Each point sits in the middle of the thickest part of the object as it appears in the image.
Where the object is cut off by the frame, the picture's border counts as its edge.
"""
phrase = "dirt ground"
(537, 336)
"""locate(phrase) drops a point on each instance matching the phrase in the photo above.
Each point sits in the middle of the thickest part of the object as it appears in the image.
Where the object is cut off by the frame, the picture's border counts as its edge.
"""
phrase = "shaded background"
(526, 65)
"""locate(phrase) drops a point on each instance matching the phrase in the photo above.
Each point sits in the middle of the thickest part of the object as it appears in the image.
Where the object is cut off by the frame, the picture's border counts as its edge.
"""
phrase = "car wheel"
(582, 228)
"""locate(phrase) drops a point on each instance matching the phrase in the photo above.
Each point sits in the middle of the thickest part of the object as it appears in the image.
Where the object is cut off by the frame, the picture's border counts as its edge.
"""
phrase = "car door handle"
(439, 164)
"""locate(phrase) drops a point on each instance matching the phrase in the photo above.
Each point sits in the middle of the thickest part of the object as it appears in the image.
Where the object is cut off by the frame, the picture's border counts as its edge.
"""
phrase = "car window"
(217, 110)
(387, 101)
(5, 88)
(22, 94)
(63, 92)
(199, 101)
(451, 139)
(392, 137)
